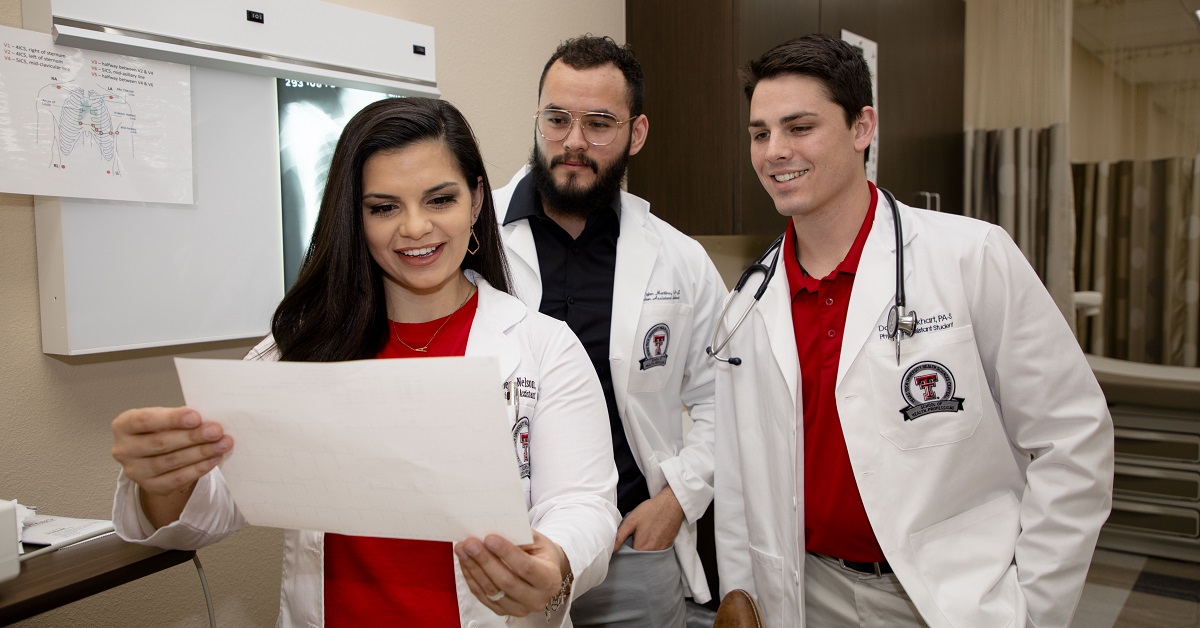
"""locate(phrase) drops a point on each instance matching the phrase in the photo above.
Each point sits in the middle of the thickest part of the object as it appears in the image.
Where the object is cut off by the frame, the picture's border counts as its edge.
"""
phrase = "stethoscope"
(899, 323)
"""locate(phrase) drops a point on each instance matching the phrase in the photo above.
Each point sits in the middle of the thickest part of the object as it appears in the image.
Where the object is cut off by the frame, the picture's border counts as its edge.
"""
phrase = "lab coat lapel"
(497, 313)
(523, 262)
(874, 283)
(637, 252)
(776, 316)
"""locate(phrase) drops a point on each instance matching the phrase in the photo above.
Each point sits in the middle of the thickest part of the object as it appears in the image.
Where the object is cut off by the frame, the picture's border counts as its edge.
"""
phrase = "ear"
(864, 128)
(641, 128)
(476, 200)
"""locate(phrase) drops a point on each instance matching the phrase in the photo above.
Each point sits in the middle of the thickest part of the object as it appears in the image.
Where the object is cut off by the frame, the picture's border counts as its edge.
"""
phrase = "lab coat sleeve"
(729, 505)
(210, 513)
(209, 516)
(690, 473)
(1056, 416)
(572, 475)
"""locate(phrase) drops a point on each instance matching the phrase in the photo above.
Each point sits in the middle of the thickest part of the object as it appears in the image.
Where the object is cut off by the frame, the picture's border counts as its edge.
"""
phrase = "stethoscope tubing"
(768, 271)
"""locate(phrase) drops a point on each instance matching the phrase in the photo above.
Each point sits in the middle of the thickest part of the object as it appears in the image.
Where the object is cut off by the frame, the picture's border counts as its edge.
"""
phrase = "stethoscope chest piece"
(899, 323)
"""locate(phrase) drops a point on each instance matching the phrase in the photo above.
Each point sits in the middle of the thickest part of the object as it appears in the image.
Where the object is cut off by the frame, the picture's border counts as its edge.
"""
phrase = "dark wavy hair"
(839, 66)
(336, 310)
(590, 51)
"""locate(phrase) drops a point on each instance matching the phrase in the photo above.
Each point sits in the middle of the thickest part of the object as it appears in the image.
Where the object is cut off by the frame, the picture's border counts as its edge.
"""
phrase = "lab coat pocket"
(967, 563)
(769, 583)
(661, 339)
(934, 396)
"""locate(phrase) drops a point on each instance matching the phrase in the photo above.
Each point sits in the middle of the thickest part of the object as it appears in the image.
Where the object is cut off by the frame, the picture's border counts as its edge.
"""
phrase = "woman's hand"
(165, 451)
(510, 579)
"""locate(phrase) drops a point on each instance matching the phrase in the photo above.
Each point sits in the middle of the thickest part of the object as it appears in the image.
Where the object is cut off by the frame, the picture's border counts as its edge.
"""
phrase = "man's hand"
(653, 524)
(510, 579)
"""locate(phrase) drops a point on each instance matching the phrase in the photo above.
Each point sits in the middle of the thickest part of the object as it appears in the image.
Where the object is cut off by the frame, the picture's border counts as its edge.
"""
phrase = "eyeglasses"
(599, 129)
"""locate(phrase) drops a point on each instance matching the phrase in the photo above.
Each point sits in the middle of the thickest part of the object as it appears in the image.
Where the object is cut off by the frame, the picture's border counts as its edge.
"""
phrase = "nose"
(778, 148)
(414, 224)
(575, 141)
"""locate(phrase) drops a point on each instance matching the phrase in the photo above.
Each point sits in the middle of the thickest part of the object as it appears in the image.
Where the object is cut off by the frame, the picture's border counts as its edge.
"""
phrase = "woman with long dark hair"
(405, 262)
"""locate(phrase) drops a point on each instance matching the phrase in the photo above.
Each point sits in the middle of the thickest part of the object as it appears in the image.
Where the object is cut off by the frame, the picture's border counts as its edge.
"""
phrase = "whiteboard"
(120, 275)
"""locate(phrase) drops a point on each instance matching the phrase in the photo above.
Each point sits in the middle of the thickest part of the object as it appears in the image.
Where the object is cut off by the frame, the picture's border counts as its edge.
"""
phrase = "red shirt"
(835, 522)
(398, 582)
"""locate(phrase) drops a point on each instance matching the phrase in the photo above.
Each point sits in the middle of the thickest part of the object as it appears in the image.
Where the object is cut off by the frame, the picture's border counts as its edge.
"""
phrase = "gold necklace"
(425, 347)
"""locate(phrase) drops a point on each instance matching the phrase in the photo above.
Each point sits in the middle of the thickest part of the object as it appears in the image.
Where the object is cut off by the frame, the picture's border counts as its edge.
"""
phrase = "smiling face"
(805, 156)
(417, 212)
(578, 171)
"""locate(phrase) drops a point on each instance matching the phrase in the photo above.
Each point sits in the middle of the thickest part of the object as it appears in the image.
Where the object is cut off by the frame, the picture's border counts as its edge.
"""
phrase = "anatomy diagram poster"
(87, 124)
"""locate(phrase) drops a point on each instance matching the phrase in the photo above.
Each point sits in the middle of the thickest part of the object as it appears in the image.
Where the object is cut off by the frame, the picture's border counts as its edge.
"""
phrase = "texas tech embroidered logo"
(520, 436)
(929, 387)
(655, 346)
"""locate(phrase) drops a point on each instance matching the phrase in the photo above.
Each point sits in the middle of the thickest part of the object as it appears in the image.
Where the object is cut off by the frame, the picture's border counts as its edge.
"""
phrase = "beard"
(571, 198)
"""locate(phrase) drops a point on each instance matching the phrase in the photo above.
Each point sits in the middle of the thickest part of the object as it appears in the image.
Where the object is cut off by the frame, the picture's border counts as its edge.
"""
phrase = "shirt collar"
(525, 202)
(799, 279)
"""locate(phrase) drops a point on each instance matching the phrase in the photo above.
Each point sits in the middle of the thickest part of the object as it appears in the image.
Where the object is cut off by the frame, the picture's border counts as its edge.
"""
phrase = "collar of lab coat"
(637, 254)
(497, 313)
(874, 291)
(875, 282)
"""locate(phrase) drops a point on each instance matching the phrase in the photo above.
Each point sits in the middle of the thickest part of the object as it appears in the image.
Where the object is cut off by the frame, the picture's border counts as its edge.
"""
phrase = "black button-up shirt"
(577, 287)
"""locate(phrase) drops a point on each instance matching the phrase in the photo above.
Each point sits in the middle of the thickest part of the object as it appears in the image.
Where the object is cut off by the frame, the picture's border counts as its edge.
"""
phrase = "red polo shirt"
(835, 522)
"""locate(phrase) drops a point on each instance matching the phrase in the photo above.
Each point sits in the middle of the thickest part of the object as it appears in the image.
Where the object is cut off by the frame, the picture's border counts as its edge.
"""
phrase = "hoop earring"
(476, 239)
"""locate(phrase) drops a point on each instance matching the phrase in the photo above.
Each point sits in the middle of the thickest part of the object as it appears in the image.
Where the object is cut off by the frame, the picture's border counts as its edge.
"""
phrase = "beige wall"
(55, 412)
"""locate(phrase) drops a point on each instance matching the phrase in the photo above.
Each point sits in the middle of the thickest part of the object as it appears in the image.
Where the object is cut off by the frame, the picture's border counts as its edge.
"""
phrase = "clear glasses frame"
(594, 122)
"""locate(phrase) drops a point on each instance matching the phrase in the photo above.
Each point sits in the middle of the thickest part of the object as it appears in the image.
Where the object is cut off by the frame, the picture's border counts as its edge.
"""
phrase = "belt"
(874, 569)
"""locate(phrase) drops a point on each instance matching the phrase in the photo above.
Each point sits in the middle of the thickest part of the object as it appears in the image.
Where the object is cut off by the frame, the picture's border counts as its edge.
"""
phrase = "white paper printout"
(87, 124)
(404, 448)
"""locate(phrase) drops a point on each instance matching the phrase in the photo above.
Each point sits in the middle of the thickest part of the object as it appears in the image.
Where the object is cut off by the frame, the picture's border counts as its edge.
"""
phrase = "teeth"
(419, 252)
(789, 176)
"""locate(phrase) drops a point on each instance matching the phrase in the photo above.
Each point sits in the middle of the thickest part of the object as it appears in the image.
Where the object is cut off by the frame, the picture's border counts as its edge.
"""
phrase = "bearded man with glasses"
(643, 298)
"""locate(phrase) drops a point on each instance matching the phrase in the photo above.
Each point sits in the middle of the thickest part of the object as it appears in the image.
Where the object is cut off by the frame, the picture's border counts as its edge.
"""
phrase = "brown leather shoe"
(738, 610)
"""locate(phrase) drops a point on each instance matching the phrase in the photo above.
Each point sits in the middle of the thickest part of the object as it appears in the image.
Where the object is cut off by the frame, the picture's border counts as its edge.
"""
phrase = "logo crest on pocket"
(520, 436)
(655, 346)
(928, 387)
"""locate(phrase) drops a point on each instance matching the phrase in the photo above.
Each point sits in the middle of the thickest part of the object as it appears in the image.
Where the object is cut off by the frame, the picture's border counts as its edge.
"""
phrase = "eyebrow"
(785, 119)
(391, 197)
(600, 110)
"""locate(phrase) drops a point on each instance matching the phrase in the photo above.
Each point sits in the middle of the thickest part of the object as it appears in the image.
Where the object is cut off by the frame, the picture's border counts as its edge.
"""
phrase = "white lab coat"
(570, 454)
(988, 515)
(662, 277)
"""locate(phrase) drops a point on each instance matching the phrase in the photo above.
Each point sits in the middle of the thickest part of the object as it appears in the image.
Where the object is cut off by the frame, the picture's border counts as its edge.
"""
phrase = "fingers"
(495, 565)
(167, 449)
(487, 592)
(154, 431)
(628, 525)
(176, 479)
(149, 420)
